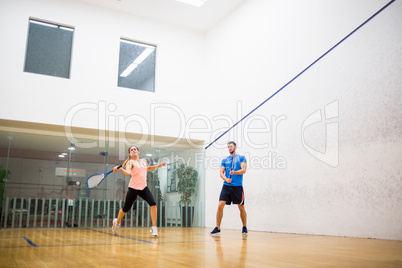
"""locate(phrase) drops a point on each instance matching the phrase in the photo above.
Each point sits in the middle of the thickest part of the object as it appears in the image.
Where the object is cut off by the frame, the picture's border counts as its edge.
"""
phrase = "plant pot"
(163, 216)
(187, 216)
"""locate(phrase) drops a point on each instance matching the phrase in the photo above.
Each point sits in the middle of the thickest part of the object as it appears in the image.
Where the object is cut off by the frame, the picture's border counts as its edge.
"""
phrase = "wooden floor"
(189, 247)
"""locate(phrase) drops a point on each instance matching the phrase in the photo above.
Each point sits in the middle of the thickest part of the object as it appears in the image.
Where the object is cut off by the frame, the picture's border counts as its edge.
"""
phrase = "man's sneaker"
(216, 231)
(244, 231)
(154, 230)
(115, 227)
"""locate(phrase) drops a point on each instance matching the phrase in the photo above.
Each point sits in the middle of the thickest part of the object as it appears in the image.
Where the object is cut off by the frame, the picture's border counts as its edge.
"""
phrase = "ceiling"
(58, 145)
(173, 12)
(42, 141)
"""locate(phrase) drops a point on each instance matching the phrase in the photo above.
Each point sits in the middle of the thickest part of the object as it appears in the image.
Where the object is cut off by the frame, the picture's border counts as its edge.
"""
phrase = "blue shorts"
(232, 194)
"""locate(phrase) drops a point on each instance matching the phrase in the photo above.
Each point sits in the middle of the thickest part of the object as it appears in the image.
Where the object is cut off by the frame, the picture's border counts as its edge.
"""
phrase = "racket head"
(95, 180)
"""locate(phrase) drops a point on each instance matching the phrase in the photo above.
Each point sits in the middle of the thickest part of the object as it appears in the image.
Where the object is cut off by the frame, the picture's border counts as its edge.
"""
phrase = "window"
(137, 66)
(49, 49)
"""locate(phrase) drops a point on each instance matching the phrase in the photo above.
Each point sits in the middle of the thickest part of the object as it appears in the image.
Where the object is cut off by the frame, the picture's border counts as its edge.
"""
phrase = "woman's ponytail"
(125, 162)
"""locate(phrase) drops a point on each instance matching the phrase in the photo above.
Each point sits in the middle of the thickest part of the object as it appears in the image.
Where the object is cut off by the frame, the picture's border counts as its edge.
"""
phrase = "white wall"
(259, 48)
(180, 69)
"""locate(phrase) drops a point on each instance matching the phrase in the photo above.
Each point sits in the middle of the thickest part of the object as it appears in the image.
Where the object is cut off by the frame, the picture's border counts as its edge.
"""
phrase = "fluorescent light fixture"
(64, 153)
(128, 42)
(66, 28)
(149, 155)
(137, 61)
(129, 69)
(71, 148)
(143, 55)
(61, 155)
(197, 3)
(51, 25)
(43, 23)
(135, 43)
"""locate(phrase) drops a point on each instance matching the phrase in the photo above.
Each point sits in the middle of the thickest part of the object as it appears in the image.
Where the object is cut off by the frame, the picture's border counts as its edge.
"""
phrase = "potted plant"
(3, 179)
(187, 179)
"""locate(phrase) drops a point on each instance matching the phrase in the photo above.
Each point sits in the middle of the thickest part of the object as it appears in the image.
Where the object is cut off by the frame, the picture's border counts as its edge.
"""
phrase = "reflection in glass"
(46, 186)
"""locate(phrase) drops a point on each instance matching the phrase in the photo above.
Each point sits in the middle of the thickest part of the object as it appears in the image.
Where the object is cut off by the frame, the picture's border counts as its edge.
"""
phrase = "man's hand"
(228, 180)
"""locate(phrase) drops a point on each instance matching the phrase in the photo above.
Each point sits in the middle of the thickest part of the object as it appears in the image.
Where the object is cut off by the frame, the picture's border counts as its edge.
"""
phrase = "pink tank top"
(138, 179)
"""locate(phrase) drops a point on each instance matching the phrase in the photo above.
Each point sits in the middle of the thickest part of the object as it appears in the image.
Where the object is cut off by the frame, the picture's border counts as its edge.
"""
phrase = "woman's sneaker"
(115, 227)
(154, 231)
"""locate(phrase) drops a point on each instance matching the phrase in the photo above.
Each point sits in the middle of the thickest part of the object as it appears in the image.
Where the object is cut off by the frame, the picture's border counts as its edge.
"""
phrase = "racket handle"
(118, 167)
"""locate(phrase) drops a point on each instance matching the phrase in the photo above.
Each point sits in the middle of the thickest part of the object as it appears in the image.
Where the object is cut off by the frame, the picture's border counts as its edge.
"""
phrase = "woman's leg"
(120, 216)
(147, 196)
(154, 215)
(130, 198)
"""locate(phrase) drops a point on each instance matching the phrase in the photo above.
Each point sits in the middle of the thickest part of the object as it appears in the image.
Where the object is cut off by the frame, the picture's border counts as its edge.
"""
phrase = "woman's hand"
(116, 168)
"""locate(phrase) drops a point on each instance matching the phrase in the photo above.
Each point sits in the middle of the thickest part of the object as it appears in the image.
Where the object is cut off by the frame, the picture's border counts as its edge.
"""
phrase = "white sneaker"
(115, 227)
(154, 231)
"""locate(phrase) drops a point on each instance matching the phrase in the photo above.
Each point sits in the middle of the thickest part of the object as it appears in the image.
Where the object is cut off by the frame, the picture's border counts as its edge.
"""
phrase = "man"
(232, 169)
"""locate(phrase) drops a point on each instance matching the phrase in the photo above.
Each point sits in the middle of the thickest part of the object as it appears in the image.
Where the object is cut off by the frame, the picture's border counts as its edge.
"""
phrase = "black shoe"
(216, 231)
(244, 231)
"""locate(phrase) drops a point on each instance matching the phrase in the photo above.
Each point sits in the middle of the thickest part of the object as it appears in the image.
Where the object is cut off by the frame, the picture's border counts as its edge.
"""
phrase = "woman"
(138, 169)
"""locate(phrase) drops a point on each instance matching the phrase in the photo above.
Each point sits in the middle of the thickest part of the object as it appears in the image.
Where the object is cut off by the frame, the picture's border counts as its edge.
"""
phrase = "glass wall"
(43, 184)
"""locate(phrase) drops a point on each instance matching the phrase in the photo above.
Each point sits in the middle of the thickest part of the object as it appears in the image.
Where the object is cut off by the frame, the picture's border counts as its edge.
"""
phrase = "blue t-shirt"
(237, 180)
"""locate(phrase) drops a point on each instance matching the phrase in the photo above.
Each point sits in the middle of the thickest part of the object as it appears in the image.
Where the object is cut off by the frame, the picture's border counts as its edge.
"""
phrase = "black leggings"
(132, 195)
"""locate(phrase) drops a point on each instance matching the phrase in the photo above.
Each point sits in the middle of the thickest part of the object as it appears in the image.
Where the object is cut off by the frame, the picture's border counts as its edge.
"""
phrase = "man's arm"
(243, 166)
(222, 172)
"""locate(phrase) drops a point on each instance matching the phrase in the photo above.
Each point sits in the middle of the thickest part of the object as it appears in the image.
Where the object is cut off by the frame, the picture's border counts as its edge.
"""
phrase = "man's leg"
(219, 213)
(243, 215)
(223, 198)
